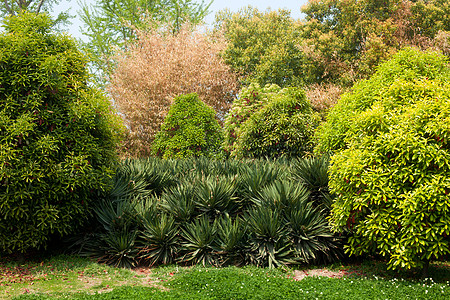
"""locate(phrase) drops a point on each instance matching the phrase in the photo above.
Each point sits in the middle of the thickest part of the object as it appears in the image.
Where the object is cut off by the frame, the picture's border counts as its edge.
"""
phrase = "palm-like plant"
(160, 241)
(117, 248)
(313, 173)
(268, 237)
(179, 202)
(311, 234)
(231, 240)
(214, 196)
(199, 242)
(282, 195)
(254, 178)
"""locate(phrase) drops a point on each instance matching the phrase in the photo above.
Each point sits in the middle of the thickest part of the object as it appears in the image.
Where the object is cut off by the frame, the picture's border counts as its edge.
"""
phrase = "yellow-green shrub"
(392, 177)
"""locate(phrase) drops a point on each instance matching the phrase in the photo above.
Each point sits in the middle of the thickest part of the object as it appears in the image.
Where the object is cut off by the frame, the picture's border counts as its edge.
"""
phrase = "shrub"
(392, 181)
(284, 127)
(189, 129)
(250, 100)
(407, 65)
(58, 135)
(160, 66)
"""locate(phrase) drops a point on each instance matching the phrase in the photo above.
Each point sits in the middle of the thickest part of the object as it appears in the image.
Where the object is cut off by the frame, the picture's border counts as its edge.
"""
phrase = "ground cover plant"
(58, 135)
(75, 278)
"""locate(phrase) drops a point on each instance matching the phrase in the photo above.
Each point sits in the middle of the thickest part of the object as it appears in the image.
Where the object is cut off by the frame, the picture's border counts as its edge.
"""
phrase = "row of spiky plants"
(268, 213)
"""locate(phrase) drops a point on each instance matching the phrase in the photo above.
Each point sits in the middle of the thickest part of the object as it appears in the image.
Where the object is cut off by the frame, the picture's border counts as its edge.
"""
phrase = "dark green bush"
(58, 135)
(393, 180)
(253, 213)
(282, 128)
(189, 129)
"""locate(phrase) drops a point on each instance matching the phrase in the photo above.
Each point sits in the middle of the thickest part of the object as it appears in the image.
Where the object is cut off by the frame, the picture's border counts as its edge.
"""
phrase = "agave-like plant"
(231, 240)
(281, 195)
(313, 240)
(253, 178)
(198, 243)
(268, 238)
(118, 249)
(214, 196)
(160, 240)
(179, 202)
(313, 173)
(115, 215)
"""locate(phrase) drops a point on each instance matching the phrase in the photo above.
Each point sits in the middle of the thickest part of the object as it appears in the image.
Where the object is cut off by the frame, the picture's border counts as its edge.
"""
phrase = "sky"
(234, 5)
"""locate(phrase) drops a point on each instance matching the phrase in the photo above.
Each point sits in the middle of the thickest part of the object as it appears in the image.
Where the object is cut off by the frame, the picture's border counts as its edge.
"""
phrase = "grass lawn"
(71, 277)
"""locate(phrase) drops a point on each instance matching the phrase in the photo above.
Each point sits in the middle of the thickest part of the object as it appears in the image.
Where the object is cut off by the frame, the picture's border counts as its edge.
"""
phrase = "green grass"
(69, 277)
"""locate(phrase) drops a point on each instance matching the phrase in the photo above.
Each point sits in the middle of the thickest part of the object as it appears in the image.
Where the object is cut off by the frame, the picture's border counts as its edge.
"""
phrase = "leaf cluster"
(58, 136)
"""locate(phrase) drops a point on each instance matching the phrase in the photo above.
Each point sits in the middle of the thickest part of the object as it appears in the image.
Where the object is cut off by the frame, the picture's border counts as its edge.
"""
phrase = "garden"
(233, 163)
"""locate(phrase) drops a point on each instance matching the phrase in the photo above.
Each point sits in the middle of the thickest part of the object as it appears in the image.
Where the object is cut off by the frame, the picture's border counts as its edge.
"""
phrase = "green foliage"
(189, 129)
(313, 173)
(263, 46)
(345, 40)
(199, 242)
(405, 68)
(392, 178)
(251, 99)
(58, 136)
(216, 213)
(160, 240)
(282, 128)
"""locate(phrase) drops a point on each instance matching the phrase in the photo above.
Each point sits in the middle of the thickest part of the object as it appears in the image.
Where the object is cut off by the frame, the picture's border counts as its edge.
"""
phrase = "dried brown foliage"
(323, 96)
(160, 66)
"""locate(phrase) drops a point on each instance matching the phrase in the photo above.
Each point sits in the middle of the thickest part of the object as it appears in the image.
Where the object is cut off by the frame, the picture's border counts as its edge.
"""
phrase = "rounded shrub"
(392, 179)
(283, 127)
(407, 65)
(189, 129)
(250, 100)
(58, 135)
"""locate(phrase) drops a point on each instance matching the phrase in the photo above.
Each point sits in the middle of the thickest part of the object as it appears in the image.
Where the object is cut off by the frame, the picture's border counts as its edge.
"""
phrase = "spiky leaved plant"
(160, 240)
(313, 173)
(198, 244)
(214, 196)
(268, 241)
(231, 241)
(179, 202)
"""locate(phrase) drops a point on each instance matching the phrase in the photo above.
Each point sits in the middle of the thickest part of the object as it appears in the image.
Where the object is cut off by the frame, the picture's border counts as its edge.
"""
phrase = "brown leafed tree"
(160, 66)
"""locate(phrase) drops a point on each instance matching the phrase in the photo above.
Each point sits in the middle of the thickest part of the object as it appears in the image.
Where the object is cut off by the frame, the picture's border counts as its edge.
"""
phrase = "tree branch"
(8, 8)
(39, 6)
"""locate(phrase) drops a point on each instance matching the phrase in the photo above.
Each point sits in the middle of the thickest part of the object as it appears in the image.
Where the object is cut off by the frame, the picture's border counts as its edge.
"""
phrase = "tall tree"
(347, 39)
(14, 7)
(109, 24)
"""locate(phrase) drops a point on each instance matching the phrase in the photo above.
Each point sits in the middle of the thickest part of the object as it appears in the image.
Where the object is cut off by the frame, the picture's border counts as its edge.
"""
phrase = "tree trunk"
(425, 269)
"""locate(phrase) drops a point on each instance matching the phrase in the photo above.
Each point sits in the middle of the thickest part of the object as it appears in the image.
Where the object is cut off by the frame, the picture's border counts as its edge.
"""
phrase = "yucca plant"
(254, 177)
(129, 181)
(160, 240)
(268, 238)
(117, 248)
(179, 202)
(313, 173)
(231, 241)
(214, 196)
(199, 242)
(116, 215)
(282, 195)
(146, 208)
(311, 234)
